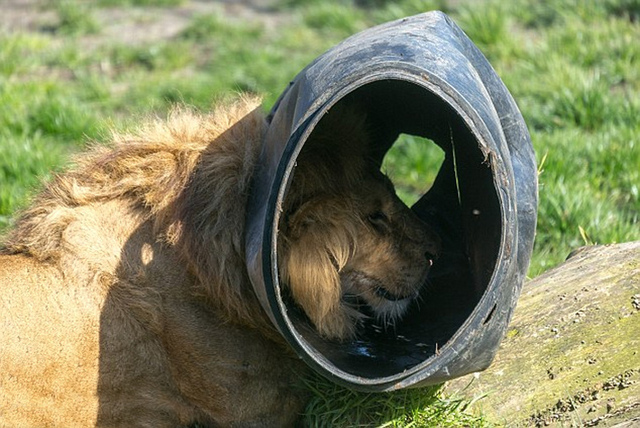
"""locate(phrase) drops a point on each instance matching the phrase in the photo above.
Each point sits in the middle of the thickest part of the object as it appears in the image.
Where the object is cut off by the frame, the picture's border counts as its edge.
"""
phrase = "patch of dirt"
(139, 25)
(24, 15)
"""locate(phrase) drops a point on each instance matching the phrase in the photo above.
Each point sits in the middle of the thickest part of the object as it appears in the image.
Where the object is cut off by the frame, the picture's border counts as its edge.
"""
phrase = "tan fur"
(346, 233)
(124, 297)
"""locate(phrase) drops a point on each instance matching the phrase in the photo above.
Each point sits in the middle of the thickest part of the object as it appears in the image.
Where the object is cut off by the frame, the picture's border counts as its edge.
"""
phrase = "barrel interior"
(461, 204)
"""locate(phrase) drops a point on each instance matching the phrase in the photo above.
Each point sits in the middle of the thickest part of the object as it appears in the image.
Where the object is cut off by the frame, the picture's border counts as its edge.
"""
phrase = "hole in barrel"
(412, 163)
(488, 318)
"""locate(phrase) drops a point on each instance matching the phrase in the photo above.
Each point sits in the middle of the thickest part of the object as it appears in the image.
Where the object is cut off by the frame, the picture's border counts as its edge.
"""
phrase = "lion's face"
(355, 254)
(393, 255)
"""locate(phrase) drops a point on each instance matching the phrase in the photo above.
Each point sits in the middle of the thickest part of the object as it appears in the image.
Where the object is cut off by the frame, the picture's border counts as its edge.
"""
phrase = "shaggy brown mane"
(164, 172)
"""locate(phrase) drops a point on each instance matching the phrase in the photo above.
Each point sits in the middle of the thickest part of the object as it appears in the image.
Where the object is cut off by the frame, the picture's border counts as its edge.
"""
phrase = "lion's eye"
(379, 220)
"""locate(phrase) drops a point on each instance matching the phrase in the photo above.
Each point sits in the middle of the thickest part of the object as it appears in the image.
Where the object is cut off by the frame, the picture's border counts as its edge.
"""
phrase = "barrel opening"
(459, 200)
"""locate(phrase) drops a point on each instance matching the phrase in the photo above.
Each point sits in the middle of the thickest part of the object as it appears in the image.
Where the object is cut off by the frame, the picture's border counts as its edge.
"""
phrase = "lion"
(352, 249)
(125, 298)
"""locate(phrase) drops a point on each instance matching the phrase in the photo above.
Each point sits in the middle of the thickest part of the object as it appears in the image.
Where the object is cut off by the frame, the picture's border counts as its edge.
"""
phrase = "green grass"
(573, 66)
(335, 406)
(74, 18)
(412, 163)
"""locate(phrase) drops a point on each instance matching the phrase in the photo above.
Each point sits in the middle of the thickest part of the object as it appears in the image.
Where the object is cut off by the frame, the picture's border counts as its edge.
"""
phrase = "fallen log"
(571, 355)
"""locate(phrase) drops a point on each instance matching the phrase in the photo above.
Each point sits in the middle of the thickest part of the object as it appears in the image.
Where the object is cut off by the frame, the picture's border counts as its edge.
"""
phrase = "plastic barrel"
(422, 76)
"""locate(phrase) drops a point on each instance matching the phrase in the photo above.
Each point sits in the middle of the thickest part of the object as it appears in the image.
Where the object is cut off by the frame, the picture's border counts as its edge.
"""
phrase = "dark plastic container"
(422, 76)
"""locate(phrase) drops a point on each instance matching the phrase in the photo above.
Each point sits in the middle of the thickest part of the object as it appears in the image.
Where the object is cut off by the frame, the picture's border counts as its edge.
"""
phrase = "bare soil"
(138, 25)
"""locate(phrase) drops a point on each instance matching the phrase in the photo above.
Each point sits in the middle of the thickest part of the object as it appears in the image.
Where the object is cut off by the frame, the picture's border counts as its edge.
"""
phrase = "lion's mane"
(189, 174)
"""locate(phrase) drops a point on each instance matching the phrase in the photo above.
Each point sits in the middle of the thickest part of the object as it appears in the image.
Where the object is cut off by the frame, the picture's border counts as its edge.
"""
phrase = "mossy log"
(571, 356)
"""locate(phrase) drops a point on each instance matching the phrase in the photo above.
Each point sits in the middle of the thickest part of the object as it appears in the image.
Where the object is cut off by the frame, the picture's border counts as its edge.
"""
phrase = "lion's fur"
(119, 305)
(193, 192)
(329, 245)
(124, 293)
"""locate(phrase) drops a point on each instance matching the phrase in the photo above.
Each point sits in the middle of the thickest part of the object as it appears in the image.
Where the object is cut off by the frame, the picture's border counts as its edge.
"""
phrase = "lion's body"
(124, 294)
(39, 332)
(107, 316)
(77, 356)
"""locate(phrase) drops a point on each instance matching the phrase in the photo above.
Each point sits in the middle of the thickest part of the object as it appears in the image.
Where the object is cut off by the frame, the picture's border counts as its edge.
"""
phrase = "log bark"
(571, 355)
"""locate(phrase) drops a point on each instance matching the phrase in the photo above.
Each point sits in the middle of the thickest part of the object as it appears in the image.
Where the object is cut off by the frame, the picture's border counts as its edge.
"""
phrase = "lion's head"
(349, 247)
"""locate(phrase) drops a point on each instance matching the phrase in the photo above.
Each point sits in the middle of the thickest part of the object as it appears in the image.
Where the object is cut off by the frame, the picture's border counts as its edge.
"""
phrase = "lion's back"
(50, 345)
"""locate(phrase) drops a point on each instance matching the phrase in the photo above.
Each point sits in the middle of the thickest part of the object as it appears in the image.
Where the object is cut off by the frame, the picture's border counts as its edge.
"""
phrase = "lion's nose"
(431, 257)
(433, 248)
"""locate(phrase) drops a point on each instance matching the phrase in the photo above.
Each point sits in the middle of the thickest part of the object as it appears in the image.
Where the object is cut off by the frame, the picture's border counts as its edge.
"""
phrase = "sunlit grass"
(74, 18)
(335, 406)
(412, 163)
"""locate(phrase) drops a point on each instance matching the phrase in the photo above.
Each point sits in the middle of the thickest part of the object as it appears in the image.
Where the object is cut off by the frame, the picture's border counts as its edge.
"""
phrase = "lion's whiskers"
(420, 298)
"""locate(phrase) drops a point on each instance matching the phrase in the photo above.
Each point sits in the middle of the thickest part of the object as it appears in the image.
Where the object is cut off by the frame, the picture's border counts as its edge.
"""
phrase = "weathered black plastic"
(423, 76)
